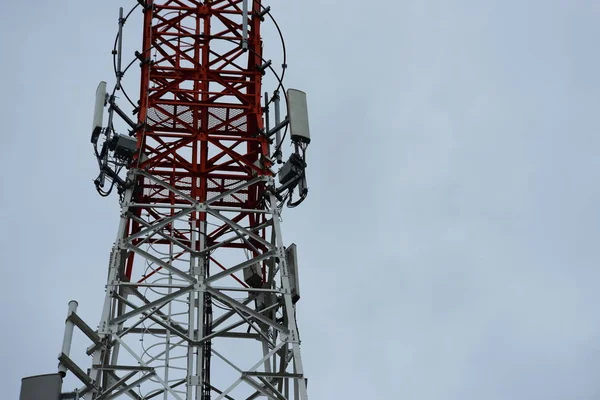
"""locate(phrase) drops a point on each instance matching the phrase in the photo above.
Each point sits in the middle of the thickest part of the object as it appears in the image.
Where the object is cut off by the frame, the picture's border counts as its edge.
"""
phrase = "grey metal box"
(41, 387)
(253, 275)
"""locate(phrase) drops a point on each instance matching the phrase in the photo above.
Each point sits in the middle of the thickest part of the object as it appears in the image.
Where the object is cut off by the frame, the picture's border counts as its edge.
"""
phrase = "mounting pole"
(119, 48)
(68, 337)
(278, 154)
(245, 25)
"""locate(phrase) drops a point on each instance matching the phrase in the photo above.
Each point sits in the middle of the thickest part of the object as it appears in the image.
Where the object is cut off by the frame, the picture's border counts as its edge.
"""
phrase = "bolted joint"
(144, 4)
(264, 12)
(143, 60)
(262, 68)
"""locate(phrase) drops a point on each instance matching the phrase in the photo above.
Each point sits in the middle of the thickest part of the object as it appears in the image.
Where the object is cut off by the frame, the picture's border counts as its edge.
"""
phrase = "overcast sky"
(449, 248)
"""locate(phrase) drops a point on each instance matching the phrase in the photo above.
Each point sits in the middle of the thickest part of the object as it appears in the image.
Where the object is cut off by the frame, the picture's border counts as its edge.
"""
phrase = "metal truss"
(201, 291)
(155, 340)
(199, 299)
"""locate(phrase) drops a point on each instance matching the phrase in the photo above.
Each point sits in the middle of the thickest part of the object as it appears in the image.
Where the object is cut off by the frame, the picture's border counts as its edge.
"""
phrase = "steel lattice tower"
(201, 291)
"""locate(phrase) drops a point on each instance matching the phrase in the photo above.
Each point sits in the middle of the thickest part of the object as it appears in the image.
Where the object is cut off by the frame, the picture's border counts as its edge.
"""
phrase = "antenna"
(292, 175)
(99, 104)
(298, 115)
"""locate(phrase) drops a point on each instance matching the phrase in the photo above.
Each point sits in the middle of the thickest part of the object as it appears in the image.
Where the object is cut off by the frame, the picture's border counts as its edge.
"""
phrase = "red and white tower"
(201, 290)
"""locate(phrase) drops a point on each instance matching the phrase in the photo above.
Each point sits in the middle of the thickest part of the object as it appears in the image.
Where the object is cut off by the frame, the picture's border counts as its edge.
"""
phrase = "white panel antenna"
(298, 115)
(99, 110)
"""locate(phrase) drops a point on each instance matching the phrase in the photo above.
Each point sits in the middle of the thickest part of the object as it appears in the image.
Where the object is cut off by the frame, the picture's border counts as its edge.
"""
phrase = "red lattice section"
(200, 108)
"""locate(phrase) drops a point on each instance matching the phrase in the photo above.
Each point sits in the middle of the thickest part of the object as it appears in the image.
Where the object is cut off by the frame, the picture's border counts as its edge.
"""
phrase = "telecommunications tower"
(201, 290)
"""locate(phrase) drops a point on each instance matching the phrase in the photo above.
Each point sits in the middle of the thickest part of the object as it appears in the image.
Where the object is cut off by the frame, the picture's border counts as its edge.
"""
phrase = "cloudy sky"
(449, 247)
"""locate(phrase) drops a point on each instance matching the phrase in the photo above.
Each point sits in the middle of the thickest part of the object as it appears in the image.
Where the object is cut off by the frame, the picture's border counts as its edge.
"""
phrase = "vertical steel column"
(68, 336)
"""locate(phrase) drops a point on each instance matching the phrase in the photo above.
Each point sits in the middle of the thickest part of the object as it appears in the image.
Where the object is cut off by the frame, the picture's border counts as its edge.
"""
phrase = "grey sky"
(449, 245)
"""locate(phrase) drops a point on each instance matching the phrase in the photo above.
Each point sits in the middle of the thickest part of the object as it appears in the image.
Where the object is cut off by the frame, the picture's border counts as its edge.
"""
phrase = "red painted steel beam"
(200, 109)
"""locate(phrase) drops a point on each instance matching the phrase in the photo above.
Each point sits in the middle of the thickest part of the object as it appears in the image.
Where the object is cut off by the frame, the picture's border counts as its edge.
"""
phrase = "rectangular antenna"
(99, 110)
(291, 256)
(298, 115)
